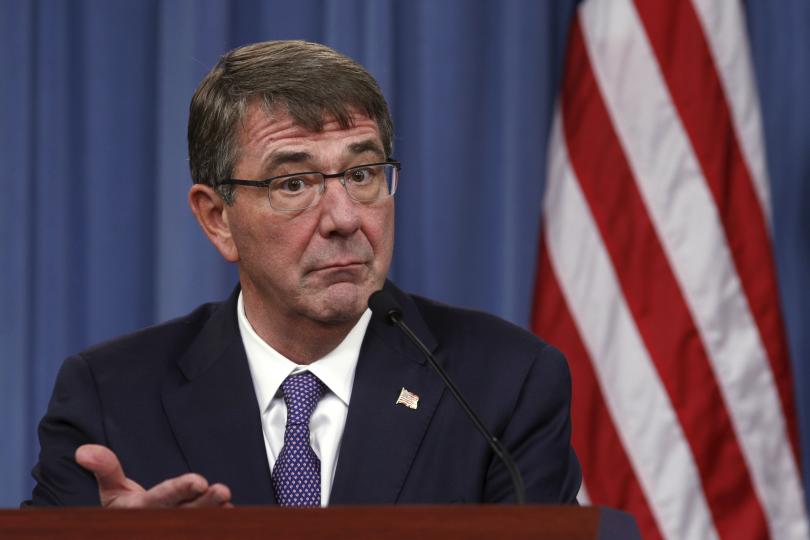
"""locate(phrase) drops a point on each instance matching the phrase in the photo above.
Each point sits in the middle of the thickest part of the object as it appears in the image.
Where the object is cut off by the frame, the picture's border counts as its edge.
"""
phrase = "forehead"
(266, 132)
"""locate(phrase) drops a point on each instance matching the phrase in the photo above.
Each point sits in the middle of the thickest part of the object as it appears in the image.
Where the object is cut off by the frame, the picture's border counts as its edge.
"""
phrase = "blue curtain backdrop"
(97, 238)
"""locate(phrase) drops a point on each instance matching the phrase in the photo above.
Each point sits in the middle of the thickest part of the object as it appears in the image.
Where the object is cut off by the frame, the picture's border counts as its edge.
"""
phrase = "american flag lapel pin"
(407, 398)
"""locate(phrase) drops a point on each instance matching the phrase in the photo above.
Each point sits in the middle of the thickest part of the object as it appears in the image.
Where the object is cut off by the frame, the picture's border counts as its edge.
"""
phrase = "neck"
(299, 339)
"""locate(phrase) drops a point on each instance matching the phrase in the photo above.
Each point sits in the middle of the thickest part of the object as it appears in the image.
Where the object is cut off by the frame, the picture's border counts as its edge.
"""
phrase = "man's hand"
(117, 491)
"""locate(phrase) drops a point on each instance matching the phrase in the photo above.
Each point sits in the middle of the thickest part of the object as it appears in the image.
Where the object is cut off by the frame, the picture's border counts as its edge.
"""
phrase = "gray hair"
(308, 80)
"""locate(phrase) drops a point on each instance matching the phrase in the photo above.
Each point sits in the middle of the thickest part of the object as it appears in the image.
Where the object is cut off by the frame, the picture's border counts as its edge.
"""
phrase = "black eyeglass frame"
(340, 175)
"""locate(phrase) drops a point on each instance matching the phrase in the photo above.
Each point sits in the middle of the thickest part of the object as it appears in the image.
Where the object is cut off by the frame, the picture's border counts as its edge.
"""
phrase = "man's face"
(320, 264)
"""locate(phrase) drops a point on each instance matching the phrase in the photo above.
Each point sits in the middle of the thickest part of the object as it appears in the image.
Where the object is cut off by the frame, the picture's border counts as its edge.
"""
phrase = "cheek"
(245, 235)
(279, 246)
(257, 239)
(381, 232)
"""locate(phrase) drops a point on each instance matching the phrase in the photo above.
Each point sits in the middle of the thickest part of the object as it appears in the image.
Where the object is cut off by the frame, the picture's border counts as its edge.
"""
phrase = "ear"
(212, 215)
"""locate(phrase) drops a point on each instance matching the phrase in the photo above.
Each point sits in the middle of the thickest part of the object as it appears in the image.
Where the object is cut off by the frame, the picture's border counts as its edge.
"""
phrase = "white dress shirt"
(269, 368)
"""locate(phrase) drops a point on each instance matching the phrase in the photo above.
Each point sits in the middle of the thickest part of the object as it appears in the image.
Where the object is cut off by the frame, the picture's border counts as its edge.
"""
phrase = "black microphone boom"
(384, 305)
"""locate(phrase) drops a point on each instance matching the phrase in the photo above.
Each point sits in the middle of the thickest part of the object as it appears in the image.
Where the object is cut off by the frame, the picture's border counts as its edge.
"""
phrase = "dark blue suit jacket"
(178, 397)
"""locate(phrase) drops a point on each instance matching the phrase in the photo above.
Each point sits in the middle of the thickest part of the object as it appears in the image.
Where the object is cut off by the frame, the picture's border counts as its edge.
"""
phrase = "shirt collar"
(269, 368)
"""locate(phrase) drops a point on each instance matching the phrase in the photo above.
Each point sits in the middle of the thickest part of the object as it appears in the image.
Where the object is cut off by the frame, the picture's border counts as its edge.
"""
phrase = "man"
(289, 392)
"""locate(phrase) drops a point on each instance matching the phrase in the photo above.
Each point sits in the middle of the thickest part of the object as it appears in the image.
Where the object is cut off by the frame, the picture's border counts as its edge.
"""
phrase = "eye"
(292, 185)
(361, 175)
(296, 184)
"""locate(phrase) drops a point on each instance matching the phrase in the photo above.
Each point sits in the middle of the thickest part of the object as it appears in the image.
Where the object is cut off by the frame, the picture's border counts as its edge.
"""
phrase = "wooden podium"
(355, 522)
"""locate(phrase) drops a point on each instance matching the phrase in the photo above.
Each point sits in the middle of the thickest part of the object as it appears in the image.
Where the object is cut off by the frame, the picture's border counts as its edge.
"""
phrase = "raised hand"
(117, 491)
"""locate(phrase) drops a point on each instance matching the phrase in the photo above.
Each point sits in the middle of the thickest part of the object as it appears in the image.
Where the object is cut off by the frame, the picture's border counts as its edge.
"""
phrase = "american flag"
(409, 399)
(656, 276)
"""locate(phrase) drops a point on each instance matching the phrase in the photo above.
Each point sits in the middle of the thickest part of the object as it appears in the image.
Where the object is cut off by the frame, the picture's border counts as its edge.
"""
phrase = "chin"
(342, 302)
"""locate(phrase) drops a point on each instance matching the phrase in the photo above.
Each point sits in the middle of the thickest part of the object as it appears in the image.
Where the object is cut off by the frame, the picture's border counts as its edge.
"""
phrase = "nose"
(340, 215)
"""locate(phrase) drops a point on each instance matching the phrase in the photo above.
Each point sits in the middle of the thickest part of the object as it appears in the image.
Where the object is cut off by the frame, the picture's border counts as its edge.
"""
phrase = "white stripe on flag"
(684, 214)
(582, 497)
(724, 27)
(634, 394)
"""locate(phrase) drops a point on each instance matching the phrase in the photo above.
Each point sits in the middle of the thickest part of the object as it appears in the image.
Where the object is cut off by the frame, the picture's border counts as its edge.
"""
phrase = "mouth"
(342, 273)
(347, 266)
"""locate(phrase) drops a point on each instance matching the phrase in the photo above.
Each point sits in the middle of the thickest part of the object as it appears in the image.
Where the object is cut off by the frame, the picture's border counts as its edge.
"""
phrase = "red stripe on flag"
(597, 444)
(677, 38)
(655, 299)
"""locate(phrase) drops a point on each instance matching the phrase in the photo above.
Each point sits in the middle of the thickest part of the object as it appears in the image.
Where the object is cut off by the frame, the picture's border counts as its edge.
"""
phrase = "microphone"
(384, 306)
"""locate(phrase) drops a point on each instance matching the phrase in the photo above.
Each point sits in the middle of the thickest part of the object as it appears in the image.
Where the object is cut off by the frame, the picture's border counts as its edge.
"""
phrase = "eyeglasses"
(365, 184)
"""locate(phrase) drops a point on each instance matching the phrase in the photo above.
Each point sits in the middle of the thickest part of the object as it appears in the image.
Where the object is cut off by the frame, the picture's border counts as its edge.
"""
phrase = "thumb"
(101, 461)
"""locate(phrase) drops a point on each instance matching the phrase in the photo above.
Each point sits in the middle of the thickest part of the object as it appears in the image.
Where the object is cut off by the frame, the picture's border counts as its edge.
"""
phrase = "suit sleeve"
(538, 436)
(73, 418)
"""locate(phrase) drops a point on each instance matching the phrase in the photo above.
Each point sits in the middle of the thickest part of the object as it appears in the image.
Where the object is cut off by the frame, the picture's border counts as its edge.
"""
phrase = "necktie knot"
(302, 392)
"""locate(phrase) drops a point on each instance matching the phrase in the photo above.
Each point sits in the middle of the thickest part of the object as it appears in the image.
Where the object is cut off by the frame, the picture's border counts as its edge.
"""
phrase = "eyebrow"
(369, 145)
(282, 158)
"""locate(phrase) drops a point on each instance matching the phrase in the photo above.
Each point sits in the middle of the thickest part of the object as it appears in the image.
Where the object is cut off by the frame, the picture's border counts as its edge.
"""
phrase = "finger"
(217, 495)
(176, 491)
(102, 462)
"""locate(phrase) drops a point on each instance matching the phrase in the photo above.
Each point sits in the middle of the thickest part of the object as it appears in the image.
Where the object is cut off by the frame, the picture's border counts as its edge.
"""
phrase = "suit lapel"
(381, 437)
(212, 408)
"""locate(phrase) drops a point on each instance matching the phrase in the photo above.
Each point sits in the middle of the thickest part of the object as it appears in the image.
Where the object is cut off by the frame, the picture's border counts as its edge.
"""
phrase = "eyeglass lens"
(364, 184)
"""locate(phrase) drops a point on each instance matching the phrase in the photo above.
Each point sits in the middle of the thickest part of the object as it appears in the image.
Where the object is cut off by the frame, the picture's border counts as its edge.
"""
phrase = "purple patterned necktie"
(297, 472)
